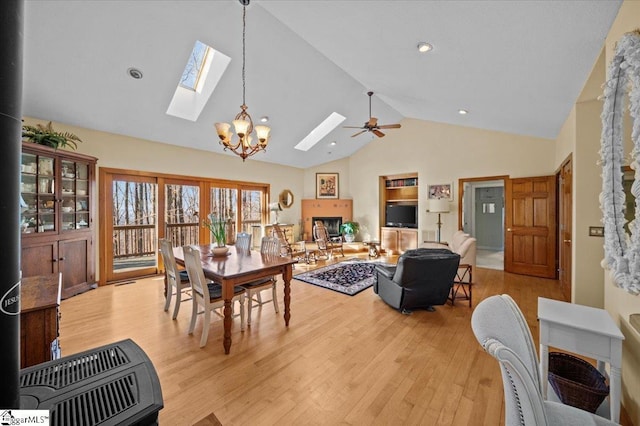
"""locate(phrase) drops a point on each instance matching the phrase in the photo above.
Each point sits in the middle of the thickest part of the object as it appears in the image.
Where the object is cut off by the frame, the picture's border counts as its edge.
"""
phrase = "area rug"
(349, 277)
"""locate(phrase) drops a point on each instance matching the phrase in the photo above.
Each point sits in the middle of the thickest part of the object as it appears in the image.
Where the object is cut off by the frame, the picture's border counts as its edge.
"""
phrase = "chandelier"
(244, 146)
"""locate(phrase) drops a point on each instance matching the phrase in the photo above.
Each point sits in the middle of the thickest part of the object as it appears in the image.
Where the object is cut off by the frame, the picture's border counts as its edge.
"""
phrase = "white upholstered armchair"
(502, 330)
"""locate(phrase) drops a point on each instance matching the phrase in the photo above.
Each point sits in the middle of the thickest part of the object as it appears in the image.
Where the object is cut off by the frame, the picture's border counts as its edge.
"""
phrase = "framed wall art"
(440, 190)
(327, 185)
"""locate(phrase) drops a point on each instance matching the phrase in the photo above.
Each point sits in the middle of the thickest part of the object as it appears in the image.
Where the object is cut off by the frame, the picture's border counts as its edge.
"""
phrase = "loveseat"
(421, 279)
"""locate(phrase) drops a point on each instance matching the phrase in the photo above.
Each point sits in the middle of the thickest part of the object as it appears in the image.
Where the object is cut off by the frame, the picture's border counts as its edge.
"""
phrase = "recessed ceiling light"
(424, 47)
(463, 111)
(264, 119)
(333, 143)
(135, 73)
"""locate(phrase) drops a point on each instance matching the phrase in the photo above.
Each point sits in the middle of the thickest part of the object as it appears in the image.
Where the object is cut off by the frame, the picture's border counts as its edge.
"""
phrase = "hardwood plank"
(343, 360)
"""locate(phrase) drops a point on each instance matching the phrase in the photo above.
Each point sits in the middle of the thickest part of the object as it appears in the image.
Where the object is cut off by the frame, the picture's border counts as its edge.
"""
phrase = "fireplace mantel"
(324, 208)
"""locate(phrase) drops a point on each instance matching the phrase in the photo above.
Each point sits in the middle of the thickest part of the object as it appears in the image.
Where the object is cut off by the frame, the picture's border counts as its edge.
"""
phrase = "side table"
(464, 277)
(586, 331)
(374, 250)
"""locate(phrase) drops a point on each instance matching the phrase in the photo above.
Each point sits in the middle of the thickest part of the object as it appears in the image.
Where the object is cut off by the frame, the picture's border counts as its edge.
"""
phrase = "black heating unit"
(115, 384)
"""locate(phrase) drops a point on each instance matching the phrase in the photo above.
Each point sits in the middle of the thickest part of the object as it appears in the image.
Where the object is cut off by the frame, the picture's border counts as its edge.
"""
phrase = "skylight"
(195, 70)
(322, 130)
(200, 77)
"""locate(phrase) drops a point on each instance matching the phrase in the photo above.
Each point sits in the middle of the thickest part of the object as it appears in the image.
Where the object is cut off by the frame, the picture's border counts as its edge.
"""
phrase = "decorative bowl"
(220, 251)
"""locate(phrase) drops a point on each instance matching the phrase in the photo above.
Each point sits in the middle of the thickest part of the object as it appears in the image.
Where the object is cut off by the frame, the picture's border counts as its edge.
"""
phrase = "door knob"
(508, 229)
(567, 241)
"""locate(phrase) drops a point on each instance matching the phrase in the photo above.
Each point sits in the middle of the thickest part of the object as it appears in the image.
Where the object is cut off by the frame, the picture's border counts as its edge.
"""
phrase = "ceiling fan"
(372, 124)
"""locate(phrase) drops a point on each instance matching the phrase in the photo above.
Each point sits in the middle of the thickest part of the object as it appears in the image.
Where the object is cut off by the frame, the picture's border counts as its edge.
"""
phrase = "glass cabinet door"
(37, 187)
(74, 195)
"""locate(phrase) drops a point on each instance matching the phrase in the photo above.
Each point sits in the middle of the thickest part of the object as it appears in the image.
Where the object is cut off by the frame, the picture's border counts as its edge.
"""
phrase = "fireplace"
(331, 223)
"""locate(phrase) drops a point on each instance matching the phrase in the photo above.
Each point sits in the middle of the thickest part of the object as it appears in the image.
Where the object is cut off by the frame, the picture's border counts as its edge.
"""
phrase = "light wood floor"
(343, 360)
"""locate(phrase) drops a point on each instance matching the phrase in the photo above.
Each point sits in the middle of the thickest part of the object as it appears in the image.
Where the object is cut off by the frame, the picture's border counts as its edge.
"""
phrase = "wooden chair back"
(285, 246)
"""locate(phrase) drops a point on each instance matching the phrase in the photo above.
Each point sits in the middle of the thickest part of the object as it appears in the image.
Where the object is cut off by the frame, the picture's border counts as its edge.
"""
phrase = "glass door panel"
(182, 207)
(37, 185)
(75, 195)
(134, 226)
(251, 207)
(224, 204)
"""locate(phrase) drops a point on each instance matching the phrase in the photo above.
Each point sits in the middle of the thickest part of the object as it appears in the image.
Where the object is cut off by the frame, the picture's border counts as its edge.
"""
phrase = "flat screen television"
(401, 216)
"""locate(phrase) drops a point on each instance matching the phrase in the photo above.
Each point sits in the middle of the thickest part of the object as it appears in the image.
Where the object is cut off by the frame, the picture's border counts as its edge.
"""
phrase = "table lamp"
(438, 205)
(275, 207)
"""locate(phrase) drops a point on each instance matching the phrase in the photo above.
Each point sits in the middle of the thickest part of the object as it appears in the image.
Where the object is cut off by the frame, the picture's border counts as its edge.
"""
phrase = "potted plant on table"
(218, 228)
(349, 230)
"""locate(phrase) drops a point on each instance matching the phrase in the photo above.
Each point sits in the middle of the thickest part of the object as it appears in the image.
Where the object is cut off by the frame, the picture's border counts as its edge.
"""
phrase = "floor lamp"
(439, 205)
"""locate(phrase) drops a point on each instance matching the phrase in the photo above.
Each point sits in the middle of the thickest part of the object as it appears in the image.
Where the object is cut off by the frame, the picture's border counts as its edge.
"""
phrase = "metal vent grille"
(75, 369)
(97, 405)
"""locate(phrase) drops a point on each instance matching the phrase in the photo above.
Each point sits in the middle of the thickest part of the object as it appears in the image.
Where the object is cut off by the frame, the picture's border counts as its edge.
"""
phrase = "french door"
(181, 212)
(137, 208)
(241, 205)
(133, 227)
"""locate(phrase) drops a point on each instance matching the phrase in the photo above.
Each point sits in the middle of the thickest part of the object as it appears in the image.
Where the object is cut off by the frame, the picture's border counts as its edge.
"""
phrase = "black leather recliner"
(421, 279)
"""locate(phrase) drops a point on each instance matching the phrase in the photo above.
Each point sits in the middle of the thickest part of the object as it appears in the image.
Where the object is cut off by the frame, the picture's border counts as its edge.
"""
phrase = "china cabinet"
(56, 216)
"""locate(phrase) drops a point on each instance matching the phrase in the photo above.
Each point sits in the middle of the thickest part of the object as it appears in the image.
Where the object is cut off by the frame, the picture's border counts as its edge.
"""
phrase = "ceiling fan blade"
(359, 133)
(389, 126)
(372, 122)
(378, 133)
(352, 127)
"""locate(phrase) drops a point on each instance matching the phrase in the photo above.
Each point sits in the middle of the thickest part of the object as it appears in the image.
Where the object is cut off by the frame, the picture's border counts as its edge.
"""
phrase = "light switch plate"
(596, 231)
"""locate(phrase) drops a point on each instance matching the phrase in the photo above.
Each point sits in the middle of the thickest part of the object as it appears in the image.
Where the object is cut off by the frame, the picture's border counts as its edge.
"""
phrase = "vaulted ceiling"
(516, 66)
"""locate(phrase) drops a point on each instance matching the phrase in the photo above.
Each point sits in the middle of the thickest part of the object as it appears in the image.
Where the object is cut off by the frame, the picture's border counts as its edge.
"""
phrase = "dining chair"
(177, 282)
(206, 294)
(269, 247)
(243, 241)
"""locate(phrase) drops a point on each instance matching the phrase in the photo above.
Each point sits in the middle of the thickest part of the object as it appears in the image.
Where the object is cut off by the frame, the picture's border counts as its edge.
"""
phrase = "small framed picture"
(441, 190)
(327, 185)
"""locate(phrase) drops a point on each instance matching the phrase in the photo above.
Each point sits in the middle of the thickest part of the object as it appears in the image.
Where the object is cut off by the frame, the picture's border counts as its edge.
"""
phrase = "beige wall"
(616, 301)
(588, 251)
(123, 152)
(441, 153)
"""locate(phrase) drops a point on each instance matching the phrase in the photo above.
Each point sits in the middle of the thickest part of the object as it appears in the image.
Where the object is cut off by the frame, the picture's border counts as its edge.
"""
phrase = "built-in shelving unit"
(398, 189)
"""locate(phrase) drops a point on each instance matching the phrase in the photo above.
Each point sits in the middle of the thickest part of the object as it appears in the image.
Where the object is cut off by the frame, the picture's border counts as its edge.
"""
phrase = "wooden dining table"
(240, 267)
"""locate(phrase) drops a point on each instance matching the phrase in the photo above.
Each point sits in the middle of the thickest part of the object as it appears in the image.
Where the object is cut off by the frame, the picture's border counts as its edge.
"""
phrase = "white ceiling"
(517, 66)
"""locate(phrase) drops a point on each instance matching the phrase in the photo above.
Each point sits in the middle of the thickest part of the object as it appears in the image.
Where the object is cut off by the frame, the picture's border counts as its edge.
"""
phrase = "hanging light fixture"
(244, 147)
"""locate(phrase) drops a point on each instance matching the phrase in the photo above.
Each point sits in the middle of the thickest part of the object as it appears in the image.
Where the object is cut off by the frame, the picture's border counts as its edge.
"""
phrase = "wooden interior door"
(565, 188)
(530, 221)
